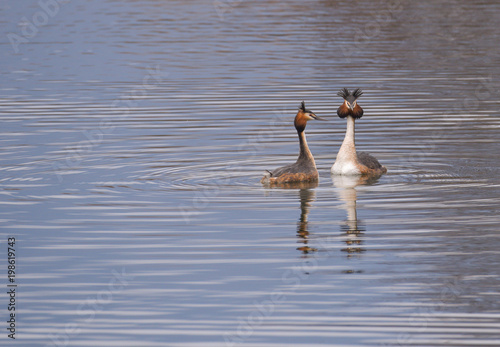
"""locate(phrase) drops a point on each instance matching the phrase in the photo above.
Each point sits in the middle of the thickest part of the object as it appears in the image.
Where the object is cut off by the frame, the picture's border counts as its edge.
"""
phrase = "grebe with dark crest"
(350, 162)
(304, 169)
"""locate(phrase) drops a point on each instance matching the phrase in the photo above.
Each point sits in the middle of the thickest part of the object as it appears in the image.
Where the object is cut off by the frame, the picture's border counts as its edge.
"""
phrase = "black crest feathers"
(303, 108)
(346, 94)
(357, 93)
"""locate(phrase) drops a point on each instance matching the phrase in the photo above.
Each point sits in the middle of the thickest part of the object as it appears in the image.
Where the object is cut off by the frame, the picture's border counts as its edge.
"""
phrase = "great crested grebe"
(348, 161)
(304, 169)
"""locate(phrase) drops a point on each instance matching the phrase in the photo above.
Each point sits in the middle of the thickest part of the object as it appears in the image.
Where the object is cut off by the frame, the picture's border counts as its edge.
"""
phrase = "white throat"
(347, 159)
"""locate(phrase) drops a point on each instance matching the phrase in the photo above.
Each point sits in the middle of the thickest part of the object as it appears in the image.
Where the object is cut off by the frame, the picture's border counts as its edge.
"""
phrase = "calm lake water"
(134, 135)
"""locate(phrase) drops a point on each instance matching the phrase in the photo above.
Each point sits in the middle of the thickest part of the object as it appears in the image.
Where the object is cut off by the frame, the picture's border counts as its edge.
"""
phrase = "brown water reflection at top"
(307, 195)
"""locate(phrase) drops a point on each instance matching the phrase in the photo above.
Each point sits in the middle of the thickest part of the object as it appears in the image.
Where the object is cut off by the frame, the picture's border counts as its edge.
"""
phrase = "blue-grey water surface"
(134, 135)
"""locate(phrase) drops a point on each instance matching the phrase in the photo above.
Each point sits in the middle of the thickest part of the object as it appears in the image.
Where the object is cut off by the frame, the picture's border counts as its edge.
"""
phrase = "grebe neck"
(347, 151)
(305, 154)
(347, 159)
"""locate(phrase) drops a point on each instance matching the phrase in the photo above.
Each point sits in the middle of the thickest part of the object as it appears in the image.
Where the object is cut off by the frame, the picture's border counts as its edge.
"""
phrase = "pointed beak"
(316, 117)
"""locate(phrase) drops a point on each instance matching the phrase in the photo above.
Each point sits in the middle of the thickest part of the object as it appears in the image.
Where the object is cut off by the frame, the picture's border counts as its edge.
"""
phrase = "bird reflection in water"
(352, 230)
(307, 195)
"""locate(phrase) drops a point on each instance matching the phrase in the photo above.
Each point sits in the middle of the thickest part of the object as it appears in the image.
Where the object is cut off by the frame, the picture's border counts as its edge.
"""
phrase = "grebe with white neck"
(349, 162)
(304, 169)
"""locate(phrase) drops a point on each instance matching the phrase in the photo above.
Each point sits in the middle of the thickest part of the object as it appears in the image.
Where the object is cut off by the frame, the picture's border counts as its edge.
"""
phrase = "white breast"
(347, 168)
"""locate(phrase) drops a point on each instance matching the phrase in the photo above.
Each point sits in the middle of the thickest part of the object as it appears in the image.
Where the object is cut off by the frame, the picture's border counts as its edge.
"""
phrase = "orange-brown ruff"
(350, 162)
(304, 169)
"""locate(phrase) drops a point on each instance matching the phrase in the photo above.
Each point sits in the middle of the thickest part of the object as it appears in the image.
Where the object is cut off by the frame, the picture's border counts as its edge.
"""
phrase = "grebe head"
(350, 106)
(303, 116)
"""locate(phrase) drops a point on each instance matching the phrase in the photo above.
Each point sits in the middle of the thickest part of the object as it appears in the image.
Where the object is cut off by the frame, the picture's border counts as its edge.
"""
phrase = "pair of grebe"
(348, 162)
